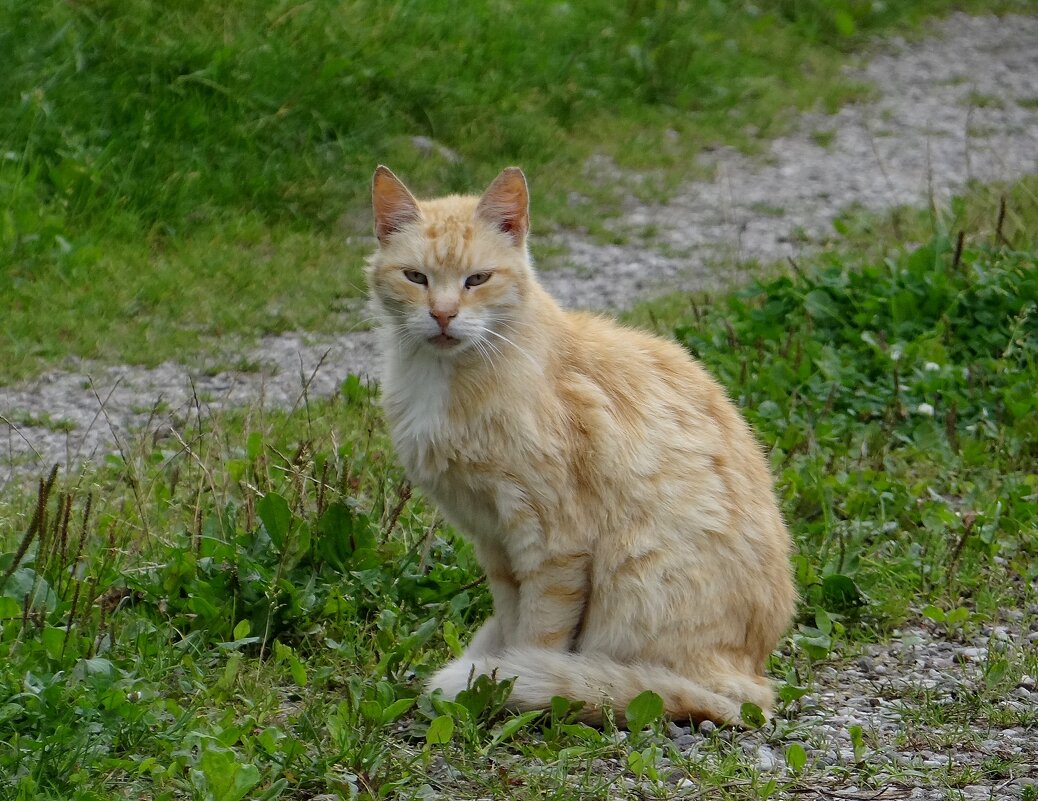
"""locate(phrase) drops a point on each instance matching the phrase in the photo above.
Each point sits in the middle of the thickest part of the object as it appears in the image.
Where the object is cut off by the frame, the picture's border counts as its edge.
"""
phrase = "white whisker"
(533, 361)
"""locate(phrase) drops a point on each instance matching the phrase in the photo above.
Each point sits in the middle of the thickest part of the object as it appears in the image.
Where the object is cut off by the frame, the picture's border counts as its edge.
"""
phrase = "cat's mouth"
(444, 341)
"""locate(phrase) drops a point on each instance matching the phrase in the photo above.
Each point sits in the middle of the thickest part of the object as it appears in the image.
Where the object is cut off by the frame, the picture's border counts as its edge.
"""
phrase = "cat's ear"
(506, 205)
(394, 206)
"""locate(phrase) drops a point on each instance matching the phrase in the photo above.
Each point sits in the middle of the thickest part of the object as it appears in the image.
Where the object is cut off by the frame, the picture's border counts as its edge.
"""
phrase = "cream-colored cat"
(617, 500)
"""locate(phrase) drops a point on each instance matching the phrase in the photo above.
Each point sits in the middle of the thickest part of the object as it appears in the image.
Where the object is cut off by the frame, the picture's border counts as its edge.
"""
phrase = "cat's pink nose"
(443, 317)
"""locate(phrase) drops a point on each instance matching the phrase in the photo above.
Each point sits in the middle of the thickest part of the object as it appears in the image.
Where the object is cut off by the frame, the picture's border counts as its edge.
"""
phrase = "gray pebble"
(685, 741)
(767, 760)
(673, 730)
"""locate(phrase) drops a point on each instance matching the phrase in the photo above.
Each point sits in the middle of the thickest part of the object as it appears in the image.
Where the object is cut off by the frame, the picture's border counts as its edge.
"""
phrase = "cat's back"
(644, 377)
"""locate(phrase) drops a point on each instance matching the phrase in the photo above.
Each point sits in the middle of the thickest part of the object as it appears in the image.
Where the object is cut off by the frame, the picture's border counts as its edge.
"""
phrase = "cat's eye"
(416, 277)
(477, 278)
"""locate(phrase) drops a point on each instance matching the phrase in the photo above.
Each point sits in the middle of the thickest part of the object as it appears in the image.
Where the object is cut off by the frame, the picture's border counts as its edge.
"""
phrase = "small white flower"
(931, 366)
(925, 408)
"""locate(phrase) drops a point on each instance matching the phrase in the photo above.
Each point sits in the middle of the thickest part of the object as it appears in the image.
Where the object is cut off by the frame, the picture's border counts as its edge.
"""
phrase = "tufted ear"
(394, 206)
(506, 205)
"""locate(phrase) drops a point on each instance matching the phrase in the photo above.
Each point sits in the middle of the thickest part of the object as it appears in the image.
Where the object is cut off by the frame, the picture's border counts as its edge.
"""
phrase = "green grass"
(246, 609)
(170, 297)
(157, 156)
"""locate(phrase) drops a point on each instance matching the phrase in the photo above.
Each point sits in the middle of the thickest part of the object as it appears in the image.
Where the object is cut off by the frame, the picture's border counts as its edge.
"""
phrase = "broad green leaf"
(228, 778)
(840, 593)
(451, 709)
(10, 711)
(26, 582)
(53, 640)
(958, 616)
(230, 671)
(276, 790)
(9, 608)
(415, 640)
(254, 446)
(796, 757)
(287, 656)
(440, 731)
(791, 692)
(819, 304)
(636, 763)
(96, 666)
(269, 739)
(235, 469)
(844, 23)
(644, 709)
(752, 715)
(560, 707)
(450, 636)
(273, 510)
(508, 729)
(371, 710)
(857, 741)
(934, 613)
(996, 671)
(396, 709)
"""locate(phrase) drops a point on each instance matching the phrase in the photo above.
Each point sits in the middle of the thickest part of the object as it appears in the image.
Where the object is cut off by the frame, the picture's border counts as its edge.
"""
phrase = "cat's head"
(450, 275)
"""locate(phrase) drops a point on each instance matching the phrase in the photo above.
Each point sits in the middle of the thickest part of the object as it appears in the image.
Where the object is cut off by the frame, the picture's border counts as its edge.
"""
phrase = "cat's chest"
(416, 399)
(459, 457)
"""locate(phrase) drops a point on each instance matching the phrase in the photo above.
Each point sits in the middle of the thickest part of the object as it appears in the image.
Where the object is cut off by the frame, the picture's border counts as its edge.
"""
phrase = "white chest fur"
(416, 397)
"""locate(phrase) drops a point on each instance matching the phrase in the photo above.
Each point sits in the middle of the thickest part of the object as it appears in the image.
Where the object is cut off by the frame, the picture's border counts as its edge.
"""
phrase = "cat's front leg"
(490, 639)
(498, 631)
(553, 594)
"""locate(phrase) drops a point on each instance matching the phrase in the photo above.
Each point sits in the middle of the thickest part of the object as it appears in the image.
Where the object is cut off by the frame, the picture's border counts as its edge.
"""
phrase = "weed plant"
(246, 607)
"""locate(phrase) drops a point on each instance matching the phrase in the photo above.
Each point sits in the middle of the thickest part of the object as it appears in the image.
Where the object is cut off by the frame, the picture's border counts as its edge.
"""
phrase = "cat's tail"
(597, 681)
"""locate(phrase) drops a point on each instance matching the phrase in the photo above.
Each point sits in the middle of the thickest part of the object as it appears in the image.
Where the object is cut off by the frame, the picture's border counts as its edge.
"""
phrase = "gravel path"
(959, 105)
(931, 728)
(929, 722)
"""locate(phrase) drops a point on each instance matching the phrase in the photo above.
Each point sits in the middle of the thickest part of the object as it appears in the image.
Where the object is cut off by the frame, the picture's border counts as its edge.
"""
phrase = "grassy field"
(246, 608)
(157, 159)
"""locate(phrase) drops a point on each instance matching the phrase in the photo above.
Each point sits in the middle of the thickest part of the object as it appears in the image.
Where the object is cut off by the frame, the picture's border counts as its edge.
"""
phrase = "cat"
(619, 504)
